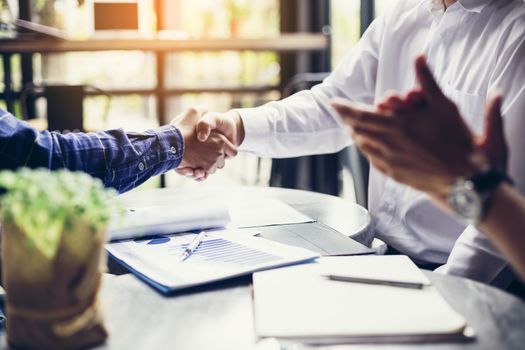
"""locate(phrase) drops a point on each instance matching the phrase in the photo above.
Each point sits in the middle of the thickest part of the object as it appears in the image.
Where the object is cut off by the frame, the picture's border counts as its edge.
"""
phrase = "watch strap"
(490, 179)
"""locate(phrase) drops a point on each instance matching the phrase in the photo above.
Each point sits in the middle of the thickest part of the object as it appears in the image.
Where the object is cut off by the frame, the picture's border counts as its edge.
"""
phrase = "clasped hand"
(209, 138)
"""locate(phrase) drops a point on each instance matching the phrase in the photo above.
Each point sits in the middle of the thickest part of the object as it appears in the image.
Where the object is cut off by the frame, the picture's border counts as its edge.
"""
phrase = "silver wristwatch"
(470, 197)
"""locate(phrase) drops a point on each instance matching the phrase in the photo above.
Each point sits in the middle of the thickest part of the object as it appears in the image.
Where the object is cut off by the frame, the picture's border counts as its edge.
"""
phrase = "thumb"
(493, 141)
(208, 123)
(494, 120)
(429, 86)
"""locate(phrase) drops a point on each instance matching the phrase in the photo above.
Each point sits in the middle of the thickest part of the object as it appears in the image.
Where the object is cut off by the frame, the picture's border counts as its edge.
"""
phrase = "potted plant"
(53, 231)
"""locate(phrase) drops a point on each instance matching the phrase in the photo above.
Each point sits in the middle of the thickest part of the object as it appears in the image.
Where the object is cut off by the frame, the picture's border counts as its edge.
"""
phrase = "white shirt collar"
(469, 5)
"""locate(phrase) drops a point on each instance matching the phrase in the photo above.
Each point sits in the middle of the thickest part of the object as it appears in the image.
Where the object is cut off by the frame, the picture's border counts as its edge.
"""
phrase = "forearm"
(304, 123)
(299, 125)
(505, 225)
(121, 160)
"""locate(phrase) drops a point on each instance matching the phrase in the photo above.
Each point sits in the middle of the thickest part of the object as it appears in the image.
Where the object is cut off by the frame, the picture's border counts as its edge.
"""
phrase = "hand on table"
(421, 139)
(207, 155)
(228, 125)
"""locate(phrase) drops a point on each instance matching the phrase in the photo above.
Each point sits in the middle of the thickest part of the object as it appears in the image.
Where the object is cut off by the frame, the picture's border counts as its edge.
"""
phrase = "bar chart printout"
(223, 251)
(223, 254)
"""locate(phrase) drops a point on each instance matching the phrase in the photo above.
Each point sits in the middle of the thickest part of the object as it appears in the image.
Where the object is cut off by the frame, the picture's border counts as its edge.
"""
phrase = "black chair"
(65, 110)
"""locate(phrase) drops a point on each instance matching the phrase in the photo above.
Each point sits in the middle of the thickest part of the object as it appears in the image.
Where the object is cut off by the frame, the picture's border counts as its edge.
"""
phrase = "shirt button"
(173, 150)
(141, 166)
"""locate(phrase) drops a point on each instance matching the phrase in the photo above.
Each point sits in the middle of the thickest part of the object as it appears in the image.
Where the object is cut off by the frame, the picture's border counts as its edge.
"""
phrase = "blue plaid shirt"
(121, 160)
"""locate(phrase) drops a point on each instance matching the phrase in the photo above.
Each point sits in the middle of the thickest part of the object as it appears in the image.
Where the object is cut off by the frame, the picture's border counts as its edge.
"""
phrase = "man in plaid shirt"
(122, 160)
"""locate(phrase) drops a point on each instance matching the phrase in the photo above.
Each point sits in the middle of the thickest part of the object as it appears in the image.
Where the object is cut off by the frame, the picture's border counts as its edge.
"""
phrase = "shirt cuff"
(171, 147)
(257, 129)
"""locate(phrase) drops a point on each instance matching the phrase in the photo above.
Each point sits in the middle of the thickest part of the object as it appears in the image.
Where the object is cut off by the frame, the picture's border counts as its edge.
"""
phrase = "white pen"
(193, 245)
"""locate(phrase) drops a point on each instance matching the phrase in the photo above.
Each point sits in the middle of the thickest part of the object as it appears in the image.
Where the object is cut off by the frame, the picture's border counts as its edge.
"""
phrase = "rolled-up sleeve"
(121, 160)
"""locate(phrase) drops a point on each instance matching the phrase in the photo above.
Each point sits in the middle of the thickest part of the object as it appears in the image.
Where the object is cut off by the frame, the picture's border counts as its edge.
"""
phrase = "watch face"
(466, 202)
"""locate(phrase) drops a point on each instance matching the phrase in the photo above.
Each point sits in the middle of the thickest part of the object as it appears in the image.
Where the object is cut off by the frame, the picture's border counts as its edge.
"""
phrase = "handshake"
(209, 140)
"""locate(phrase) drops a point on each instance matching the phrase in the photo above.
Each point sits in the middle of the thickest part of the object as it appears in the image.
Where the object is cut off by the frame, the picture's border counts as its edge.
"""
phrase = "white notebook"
(300, 304)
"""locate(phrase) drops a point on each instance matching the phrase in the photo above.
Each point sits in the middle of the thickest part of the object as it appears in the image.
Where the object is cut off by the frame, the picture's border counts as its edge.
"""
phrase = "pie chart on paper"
(154, 240)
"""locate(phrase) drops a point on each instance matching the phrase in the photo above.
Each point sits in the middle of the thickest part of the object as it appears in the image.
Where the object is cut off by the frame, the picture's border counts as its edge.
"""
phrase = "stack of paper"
(300, 304)
(142, 221)
(201, 213)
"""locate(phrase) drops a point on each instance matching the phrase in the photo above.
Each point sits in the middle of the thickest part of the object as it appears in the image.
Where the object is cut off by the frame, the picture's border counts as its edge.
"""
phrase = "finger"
(427, 81)
(493, 142)
(370, 150)
(202, 178)
(363, 117)
(230, 150)
(221, 163)
(493, 119)
(394, 103)
(415, 98)
(398, 104)
(197, 110)
(377, 143)
(385, 103)
(379, 165)
(199, 173)
(385, 100)
(188, 172)
(208, 123)
(212, 170)
(376, 159)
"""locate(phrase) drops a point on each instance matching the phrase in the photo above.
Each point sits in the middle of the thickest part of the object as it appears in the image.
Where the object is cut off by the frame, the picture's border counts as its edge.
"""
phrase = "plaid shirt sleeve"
(121, 160)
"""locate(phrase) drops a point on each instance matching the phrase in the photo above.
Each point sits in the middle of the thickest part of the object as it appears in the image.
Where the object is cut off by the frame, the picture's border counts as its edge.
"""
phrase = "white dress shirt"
(474, 48)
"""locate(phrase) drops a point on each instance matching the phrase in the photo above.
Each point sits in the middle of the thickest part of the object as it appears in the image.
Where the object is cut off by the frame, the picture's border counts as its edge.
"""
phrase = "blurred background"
(138, 89)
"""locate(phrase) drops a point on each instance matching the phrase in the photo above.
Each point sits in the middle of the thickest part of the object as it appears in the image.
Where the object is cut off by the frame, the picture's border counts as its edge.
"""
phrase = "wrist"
(476, 163)
(236, 119)
(473, 164)
(471, 197)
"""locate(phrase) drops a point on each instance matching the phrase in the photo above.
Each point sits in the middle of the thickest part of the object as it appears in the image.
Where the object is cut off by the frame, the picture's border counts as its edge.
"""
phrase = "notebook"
(299, 303)
(223, 254)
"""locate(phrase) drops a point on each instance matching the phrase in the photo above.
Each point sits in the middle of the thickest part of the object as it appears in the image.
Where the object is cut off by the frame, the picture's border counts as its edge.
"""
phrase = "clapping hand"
(421, 139)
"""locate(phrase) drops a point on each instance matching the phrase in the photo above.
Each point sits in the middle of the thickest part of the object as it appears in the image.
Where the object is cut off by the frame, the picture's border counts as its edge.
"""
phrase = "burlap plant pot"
(52, 302)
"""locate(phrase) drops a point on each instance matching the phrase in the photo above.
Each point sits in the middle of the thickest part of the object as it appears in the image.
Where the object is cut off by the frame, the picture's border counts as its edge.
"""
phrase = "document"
(299, 303)
(316, 237)
(147, 220)
(264, 212)
(223, 254)
(198, 213)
